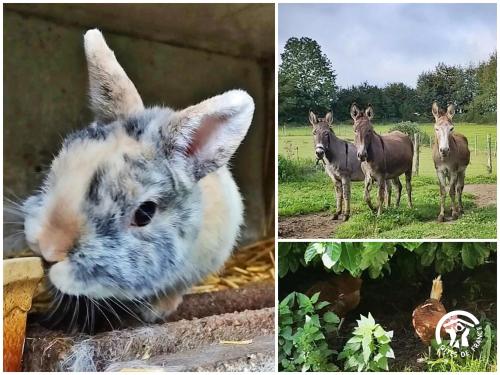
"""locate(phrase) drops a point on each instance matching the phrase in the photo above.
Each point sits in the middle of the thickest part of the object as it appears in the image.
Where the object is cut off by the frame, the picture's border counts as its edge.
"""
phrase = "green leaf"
(410, 245)
(427, 253)
(312, 250)
(321, 305)
(315, 297)
(304, 300)
(382, 362)
(474, 254)
(331, 317)
(331, 255)
(366, 348)
(350, 258)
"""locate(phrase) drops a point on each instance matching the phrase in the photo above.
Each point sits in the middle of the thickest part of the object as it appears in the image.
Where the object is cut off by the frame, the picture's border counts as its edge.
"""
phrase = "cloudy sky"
(382, 43)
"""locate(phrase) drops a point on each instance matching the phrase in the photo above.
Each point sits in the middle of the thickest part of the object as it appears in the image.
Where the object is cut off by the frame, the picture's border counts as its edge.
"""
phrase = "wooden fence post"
(489, 165)
(416, 157)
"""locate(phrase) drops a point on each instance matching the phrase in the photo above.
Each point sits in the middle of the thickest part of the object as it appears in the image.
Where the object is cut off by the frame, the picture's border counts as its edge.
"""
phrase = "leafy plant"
(374, 257)
(480, 361)
(412, 128)
(290, 257)
(369, 347)
(353, 257)
(290, 169)
(302, 334)
(450, 255)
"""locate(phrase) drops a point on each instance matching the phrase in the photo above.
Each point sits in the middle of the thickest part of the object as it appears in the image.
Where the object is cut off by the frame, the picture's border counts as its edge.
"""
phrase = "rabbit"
(140, 205)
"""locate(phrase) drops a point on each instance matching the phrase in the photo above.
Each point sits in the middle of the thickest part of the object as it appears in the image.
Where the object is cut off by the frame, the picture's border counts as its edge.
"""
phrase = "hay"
(250, 264)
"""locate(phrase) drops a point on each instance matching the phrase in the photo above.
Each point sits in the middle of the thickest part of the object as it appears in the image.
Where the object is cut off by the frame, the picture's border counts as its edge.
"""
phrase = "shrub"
(375, 257)
(368, 348)
(302, 334)
(294, 170)
(412, 128)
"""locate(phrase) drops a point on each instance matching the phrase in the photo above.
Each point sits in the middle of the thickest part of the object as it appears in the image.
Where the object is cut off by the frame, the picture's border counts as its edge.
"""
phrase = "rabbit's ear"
(209, 133)
(112, 93)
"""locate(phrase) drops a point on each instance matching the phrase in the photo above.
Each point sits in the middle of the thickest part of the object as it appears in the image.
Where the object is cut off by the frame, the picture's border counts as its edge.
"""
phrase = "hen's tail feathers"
(437, 288)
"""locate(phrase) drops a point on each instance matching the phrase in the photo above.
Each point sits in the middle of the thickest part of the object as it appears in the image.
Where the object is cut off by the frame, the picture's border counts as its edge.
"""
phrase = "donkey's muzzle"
(320, 152)
(444, 151)
(362, 156)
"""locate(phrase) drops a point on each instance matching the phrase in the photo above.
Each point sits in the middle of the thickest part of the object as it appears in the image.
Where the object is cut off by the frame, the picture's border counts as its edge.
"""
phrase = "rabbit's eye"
(144, 214)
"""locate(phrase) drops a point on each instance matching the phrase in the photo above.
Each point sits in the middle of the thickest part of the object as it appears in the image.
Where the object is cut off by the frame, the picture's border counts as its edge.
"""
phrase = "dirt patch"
(317, 225)
(484, 194)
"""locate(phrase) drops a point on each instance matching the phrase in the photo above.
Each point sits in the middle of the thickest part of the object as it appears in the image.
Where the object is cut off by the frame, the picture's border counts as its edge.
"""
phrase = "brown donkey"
(451, 155)
(385, 157)
(340, 161)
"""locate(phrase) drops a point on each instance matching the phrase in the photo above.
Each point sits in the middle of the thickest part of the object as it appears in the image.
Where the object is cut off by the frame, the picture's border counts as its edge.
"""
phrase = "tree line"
(306, 81)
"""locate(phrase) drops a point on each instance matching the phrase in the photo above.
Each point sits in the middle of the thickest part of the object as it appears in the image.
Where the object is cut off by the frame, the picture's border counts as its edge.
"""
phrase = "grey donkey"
(340, 160)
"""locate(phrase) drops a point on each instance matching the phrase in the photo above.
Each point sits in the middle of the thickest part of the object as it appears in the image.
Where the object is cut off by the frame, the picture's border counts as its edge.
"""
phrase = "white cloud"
(381, 43)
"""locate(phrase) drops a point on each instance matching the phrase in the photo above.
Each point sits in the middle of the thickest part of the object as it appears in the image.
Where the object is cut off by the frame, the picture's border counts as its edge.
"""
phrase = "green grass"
(315, 194)
(297, 143)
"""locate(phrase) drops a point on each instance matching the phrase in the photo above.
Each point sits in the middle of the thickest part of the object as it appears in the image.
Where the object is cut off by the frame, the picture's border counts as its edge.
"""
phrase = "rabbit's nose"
(55, 242)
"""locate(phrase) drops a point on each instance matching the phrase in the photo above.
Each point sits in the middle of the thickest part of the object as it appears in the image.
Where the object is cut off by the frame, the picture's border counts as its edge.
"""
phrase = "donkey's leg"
(346, 192)
(442, 192)
(388, 192)
(399, 188)
(368, 188)
(408, 187)
(338, 196)
(460, 189)
(453, 191)
(381, 191)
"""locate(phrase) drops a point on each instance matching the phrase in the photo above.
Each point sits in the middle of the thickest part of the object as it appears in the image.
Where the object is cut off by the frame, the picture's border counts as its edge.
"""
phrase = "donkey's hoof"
(345, 217)
(441, 218)
(335, 216)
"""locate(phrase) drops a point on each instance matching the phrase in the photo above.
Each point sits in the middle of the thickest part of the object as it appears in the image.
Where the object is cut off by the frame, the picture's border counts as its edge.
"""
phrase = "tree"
(363, 95)
(306, 81)
(399, 102)
(483, 107)
(445, 84)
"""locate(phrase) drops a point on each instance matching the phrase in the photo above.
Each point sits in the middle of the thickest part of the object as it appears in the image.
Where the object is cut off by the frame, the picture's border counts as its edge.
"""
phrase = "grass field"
(297, 142)
(310, 190)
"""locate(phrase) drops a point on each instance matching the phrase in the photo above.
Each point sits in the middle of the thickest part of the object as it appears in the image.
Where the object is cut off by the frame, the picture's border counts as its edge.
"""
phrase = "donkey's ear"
(435, 110)
(369, 112)
(208, 133)
(112, 93)
(312, 118)
(354, 111)
(450, 112)
(329, 118)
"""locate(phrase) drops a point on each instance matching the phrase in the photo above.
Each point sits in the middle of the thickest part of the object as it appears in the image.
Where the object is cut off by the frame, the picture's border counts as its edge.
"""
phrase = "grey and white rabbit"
(140, 204)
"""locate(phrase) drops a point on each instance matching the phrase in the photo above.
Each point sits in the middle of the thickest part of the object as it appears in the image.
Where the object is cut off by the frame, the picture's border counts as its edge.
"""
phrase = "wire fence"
(297, 143)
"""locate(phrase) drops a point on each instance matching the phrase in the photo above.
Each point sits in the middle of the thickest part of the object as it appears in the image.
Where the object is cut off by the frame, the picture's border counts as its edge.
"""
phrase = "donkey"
(387, 157)
(341, 163)
(451, 156)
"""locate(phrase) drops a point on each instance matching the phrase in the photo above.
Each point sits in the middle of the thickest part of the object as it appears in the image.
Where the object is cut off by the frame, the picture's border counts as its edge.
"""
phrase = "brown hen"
(342, 291)
(427, 315)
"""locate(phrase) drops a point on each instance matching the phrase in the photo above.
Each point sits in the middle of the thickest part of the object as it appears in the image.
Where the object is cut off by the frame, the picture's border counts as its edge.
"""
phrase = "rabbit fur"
(82, 220)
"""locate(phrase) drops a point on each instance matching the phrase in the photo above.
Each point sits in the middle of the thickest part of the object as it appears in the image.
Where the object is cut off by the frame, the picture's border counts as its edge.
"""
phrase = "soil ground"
(484, 194)
(320, 225)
